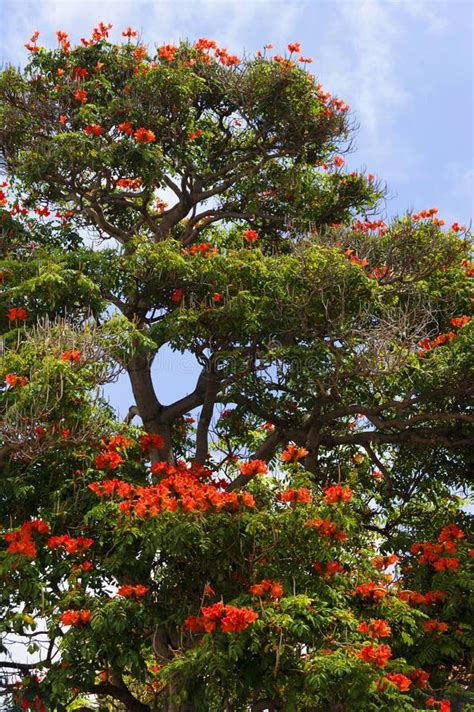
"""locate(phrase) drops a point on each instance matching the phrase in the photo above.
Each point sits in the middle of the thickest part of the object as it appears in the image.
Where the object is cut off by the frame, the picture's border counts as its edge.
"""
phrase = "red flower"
(420, 677)
(328, 570)
(108, 461)
(377, 655)
(16, 314)
(126, 128)
(401, 681)
(272, 588)
(376, 628)
(293, 453)
(253, 467)
(250, 236)
(177, 295)
(327, 529)
(12, 380)
(167, 52)
(301, 495)
(94, 130)
(143, 135)
(151, 441)
(74, 356)
(76, 617)
(338, 161)
(132, 591)
(81, 96)
(129, 33)
(433, 626)
(237, 619)
(195, 134)
(460, 321)
(294, 47)
(336, 494)
(371, 591)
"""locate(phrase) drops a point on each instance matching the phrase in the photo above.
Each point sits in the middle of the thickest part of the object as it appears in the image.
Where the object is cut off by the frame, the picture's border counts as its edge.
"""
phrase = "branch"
(202, 444)
(263, 452)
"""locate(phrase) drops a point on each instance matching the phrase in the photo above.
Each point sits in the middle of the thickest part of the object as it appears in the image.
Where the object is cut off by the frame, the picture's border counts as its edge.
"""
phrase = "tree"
(336, 349)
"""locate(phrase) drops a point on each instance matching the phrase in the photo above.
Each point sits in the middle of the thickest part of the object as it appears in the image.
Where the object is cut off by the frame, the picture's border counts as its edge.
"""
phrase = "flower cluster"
(16, 314)
(253, 467)
(73, 356)
(328, 568)
(376, 655)
(427, 344)
(327, 528)
(133, 184)
(76, 618)
(21, 541)
(129, 591)
(440, 555)
(435, 626)
(12, 380)
(382, 562)
(396, 678)
(376, 628)
(337, 494)
(442, 705)
(230, 619)
(151, 441)
(302, 495)
(250, 236)
(70, 544)
(293, 453)
(372, 591)
(203, 248)
(365, 226)
(181, 489)
(141, 135)
(266, 586)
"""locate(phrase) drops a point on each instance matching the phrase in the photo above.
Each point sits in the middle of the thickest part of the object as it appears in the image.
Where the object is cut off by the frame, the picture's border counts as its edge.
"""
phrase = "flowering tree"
(194, 200)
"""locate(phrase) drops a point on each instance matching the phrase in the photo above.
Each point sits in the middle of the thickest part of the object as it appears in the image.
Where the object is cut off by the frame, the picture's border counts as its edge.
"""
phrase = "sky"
(404, 66)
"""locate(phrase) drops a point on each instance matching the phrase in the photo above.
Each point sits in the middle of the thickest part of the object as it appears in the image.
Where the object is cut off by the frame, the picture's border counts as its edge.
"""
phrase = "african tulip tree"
(192, 200)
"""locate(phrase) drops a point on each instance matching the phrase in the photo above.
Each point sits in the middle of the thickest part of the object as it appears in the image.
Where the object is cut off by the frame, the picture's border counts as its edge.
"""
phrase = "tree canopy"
(228, 550)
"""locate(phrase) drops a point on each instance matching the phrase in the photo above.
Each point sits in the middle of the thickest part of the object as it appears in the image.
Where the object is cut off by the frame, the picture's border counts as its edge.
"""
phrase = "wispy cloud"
(234, 23)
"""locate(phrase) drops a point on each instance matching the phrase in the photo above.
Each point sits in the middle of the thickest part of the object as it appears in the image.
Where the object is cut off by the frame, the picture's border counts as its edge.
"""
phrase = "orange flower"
(143, 135)
(167, 52)
(377, 655)
(293, 453)
(336, 494)
(12, 380)
(128, 591)
(250, 236)
(129, 32)
(81, 96)
(76, 617)
(151, 441)
(74, 356)
(294, 47)
(401, 681)
(94, 130)
(460, 321)
(108, 461)
(338, 161)
(376, 628)
(253, 467)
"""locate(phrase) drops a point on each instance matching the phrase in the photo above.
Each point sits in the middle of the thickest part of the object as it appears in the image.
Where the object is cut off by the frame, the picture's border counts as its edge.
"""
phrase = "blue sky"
(404, 66)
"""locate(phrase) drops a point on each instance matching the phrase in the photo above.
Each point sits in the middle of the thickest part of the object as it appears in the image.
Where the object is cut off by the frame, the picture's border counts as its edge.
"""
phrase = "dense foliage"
(290, 534)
